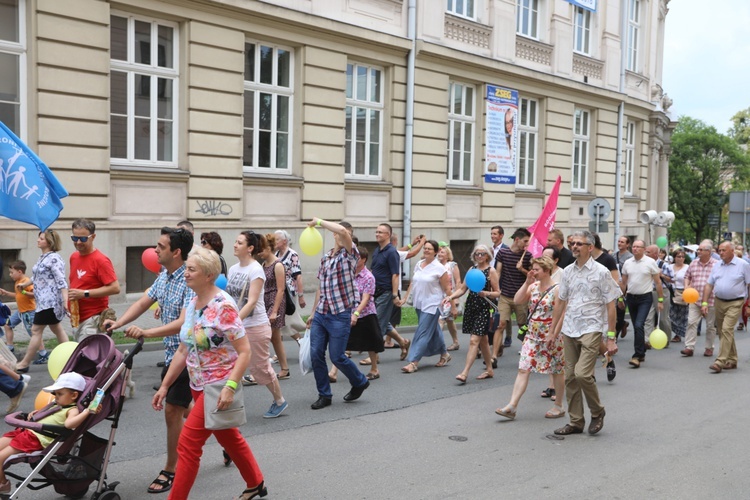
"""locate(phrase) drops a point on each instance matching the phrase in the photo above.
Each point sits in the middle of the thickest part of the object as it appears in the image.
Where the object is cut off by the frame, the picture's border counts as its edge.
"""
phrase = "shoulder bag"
(216, 419)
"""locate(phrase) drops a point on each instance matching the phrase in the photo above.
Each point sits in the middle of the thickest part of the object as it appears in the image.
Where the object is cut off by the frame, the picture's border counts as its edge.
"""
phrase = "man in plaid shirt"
(696, 277)
(173, 295)
(330, 322)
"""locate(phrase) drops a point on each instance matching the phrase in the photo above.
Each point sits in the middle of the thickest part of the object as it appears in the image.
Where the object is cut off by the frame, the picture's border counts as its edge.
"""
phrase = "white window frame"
(528, 140)
(462, 8)
(130, 68)
(368, 105)
(466, 118)
(582, 31)
(527, 18)
(19, 49)
(581, 150)
(276, 91)
(633, 40)
(630, 134)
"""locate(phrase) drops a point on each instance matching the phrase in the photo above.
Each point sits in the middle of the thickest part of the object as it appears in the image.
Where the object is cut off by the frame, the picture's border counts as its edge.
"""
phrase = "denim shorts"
(27, 318)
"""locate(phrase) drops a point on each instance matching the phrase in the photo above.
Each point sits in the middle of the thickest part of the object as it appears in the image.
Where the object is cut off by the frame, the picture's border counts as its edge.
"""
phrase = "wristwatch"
(86, 294)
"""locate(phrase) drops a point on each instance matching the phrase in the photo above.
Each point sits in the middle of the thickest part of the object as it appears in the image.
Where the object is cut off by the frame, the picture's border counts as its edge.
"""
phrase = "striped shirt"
(511, 279)
(336, 275)
(172, 294)
(697, 275)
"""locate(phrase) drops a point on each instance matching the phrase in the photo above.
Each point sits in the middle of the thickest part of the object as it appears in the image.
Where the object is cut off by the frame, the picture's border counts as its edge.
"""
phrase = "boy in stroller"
(66, 390)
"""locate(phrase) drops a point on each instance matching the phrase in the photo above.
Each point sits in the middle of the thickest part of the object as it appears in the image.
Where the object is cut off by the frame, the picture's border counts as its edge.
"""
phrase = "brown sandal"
(444, 358)
(405, 349)
(410, 368)
(485, 375)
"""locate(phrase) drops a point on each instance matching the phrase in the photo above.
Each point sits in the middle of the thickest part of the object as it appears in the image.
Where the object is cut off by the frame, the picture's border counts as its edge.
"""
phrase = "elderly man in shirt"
(696, 277)
(330, 321)
(639, 276)
(586, 306)
(729, 280)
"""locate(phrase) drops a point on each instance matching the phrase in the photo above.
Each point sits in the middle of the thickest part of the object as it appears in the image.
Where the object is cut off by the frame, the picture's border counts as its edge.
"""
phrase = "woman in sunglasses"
(477, 313)
(212, 241)
(50, 293)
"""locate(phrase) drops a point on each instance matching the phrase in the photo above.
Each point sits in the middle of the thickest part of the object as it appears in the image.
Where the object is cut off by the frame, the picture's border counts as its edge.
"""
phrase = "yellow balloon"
(658, 339)
(311, 241)
(59, 357)
(43, 399)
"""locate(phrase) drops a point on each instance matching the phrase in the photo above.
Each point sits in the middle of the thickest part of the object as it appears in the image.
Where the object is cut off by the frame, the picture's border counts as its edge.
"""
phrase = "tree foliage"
(740, 130)
(703, 168)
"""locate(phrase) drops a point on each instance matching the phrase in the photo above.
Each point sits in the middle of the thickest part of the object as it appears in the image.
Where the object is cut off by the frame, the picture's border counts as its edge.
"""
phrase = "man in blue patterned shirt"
(172, 295)
(330, 322)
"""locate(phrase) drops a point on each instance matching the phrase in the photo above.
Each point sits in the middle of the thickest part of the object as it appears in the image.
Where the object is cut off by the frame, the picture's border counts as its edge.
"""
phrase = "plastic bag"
(305, 354)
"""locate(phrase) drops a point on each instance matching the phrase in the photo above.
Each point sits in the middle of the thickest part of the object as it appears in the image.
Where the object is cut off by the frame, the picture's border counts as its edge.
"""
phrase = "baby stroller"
(77, 457)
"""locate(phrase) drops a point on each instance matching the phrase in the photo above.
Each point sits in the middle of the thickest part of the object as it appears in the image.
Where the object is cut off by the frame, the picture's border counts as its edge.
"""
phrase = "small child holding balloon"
(66, 391)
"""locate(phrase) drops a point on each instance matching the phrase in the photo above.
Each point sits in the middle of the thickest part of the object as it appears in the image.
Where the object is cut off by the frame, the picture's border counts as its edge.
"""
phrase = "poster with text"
(501, 135)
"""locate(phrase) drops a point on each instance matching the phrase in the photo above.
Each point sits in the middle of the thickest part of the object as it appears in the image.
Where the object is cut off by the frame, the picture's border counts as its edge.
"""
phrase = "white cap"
(70, 380)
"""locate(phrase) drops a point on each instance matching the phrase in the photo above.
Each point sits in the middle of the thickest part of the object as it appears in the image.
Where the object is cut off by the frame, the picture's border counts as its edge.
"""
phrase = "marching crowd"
(569, 305)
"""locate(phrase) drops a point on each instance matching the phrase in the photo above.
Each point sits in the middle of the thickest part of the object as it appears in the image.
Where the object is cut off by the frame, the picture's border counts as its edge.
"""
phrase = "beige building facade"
(240, 114)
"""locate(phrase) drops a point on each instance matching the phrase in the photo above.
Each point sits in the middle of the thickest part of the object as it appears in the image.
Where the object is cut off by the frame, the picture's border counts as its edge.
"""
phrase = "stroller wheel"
(109, 495)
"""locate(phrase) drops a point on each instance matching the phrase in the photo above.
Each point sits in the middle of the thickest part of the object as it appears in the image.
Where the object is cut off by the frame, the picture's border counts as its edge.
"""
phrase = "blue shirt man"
(385, 267)
(729, 280)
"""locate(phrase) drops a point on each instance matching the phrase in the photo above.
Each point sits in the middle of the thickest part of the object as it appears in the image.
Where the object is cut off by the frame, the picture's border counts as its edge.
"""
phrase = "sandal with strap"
(485, 375)
(405, 349)
(250, 493)
(508, 412)
(166, 484)
(410, 368)
(444, 358)
(555, 412)
(227, 458)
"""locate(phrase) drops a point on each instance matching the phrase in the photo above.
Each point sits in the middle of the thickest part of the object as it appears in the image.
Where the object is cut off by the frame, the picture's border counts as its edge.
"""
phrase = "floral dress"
(269, 295)
(477, 311)
(535, 355)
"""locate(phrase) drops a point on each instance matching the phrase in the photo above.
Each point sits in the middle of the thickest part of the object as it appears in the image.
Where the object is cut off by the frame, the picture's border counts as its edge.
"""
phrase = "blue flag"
(29, 191)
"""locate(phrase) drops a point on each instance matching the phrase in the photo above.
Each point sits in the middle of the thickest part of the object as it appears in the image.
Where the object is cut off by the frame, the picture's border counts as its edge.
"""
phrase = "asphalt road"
(672, 430)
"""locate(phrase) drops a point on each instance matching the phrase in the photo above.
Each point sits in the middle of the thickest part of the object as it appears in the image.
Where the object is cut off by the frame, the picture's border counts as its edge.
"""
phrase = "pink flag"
(545, 223)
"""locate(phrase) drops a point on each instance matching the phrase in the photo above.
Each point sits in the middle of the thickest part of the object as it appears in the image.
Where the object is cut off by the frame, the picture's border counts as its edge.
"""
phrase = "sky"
(707, 59)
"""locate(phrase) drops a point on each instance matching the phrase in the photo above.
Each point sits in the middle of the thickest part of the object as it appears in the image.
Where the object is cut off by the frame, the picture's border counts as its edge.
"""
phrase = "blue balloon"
(221, 281)
(475, 280)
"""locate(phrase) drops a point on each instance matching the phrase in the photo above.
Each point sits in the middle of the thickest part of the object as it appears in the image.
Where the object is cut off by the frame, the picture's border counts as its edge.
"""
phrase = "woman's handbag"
(215, 419)
(523, 329)
(677, 299)
(290, 307)
(305, 354)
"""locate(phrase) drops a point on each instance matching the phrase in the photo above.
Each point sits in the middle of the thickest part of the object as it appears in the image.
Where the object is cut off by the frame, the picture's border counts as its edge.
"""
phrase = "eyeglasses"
(579, 244)
(82, 239)
(480, 254)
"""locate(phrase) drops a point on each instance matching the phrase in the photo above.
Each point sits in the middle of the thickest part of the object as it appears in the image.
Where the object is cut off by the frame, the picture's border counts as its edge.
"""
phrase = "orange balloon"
(43, 399)
(690, 295)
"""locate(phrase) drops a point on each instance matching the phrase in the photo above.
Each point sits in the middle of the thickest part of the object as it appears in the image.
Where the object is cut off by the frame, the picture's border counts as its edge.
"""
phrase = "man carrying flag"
(29, 191)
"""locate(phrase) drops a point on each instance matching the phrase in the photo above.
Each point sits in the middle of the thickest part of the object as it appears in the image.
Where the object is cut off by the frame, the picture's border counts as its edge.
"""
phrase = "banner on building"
(501, 135)
(584, 4)
(29, 191)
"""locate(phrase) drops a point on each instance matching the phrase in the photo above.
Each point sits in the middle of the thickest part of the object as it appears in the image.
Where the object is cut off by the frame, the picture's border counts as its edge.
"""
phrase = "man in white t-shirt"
(639, 275)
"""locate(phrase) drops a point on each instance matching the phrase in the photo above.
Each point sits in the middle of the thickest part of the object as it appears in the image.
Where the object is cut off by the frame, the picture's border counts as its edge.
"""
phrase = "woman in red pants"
(214, 347)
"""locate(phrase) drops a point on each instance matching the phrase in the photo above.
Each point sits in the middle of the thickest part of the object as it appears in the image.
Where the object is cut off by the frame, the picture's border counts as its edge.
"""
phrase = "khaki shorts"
(507, 306)
(92, 325)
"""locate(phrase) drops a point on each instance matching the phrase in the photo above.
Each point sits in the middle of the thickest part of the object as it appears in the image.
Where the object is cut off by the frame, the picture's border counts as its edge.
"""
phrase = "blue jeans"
(10, 387)
(332, 330)
(639, 306)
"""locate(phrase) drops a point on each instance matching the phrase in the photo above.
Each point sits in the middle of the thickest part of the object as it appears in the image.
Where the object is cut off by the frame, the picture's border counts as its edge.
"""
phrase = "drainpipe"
(409, 130)
(620, 119)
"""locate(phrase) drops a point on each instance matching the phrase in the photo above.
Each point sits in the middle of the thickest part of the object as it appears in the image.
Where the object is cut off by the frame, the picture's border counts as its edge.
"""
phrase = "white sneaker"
(15, 401)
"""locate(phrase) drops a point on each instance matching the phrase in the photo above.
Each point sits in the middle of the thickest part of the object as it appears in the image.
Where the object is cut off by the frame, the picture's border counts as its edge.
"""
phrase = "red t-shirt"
(88, 272)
